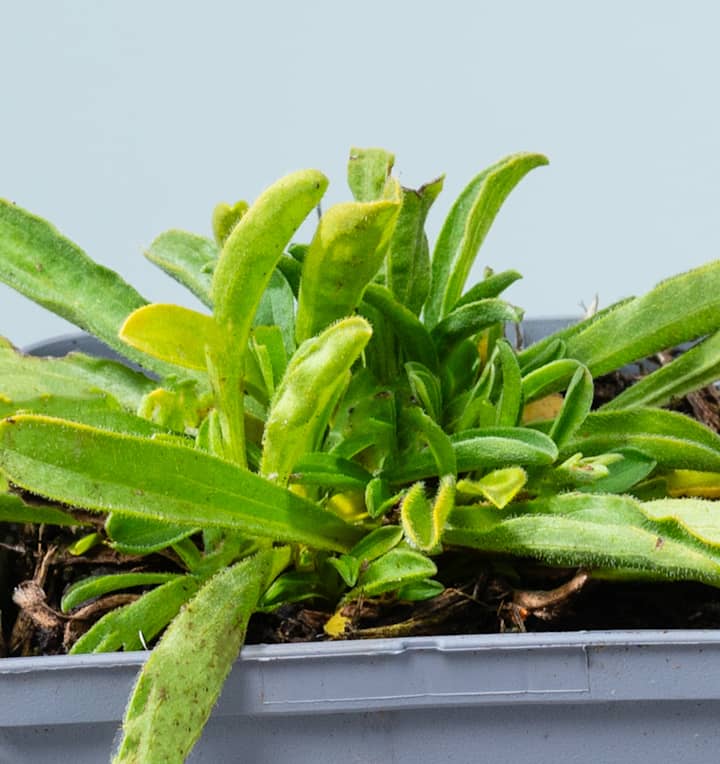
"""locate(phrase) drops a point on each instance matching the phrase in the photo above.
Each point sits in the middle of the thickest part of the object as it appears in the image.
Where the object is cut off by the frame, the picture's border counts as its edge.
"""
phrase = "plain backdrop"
(119, 120)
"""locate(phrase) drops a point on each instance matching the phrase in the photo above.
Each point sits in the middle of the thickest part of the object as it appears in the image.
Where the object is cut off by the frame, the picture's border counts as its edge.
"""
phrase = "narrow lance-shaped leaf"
(486, 448)
(575, 408)
(126, 627)
(466, 227)
(138, 535)
(425, 388)
(277, 309)
(530, 356)
(595, 531)
(408, 258)
(160, 724)
(26, 378)
(673, 440)
(510, 401)
(695, 368)
(374, 545)
(14, 510)
(439, 443)
(416, 518)
(348, 247)
(550, 378)
(329, 470)
(677, 310)
(302, 405)
(97, 586)
(39, 262)
(244, 269)
(94, 410)
(188, 258)
(491, 286)
(417, 345)
(257, 242)
(472, 318)
(97, 470)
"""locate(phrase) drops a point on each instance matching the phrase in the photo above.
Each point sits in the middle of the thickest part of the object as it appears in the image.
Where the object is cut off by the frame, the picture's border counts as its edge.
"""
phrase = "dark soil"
(481, 597)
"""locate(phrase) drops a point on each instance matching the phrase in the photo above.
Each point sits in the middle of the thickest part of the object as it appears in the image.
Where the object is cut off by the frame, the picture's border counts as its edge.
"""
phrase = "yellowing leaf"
(694, 483)
(545, 408)
(171, 333)
(336, 625)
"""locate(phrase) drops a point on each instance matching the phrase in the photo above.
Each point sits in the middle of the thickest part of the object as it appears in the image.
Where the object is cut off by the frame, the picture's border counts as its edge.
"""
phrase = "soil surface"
(480, 597)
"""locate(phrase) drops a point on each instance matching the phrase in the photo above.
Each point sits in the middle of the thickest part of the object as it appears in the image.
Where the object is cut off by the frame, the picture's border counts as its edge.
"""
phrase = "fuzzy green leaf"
(37, 261)
(575, 408)
(491, 286)
(14, 510)
(439, 443)
(346, 252)
(529, 358)
(225, 217)
(408, 258)
(418, 591)
(472, 318)
(251, 252)
(510, 402)
(314, 379)
(695, 368)
(160, 723)
(330, 470)
(673, 440)
(379, 498)
(126, 627)
(677, 310)
(277, 310)
(594, 531)
(376, 543)
(624, 474)
(416, 518)
(466, 227)
(137, 535)
(396, 568)
(98, 470)
(698, 517)
(425, 388)
(549, 378)
(188, 258)
(368, 171)
(298, 586)
(486, 448)
(97, 586)
(26, 378)
(415, 339)
(96, 411)
(244, 270)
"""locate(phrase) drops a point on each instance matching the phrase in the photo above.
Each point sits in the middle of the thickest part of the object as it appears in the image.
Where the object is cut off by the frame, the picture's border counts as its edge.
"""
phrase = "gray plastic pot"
(623, 696)
(589, 697)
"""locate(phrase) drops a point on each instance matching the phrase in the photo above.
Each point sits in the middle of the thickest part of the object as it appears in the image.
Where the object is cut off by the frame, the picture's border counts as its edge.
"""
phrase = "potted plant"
(345, 425)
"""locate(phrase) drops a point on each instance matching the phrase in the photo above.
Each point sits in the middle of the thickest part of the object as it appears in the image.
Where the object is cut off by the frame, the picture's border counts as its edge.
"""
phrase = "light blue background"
(119, 120)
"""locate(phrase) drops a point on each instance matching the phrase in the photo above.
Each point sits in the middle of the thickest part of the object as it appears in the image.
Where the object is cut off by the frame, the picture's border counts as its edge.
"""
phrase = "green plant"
(344, 412)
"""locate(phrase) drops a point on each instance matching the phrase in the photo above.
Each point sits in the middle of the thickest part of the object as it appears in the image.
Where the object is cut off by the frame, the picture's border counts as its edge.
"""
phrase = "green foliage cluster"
(344, 411)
